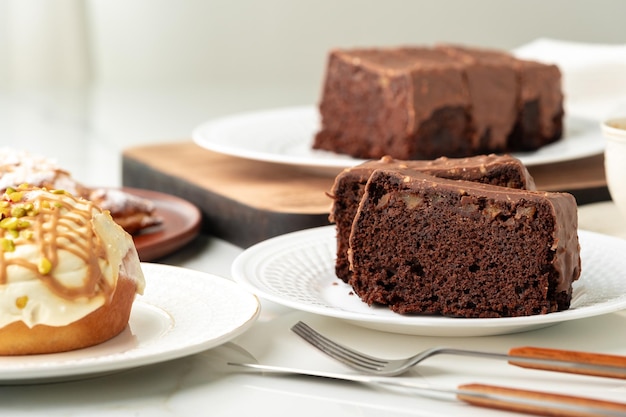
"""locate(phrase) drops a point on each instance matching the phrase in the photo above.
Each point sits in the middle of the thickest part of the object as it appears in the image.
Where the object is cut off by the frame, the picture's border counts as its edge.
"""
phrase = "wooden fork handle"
(535, 402)
(616, 362)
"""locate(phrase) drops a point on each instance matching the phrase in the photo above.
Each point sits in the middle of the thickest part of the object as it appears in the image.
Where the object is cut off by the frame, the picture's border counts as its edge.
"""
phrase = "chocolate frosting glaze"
(567, 252)
(454, 168)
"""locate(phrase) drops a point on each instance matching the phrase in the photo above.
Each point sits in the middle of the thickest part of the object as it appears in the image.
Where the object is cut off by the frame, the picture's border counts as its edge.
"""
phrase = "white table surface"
(203, 385)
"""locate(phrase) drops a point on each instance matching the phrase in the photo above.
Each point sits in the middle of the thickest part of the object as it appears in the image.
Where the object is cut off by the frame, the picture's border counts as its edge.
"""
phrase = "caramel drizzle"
(56, 223)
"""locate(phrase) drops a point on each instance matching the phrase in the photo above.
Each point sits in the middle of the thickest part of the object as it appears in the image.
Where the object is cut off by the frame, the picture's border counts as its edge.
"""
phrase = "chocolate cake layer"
(349, 186)
(426, 245)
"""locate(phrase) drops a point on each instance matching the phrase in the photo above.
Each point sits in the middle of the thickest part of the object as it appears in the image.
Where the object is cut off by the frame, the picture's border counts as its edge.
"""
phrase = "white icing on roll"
(60, 257)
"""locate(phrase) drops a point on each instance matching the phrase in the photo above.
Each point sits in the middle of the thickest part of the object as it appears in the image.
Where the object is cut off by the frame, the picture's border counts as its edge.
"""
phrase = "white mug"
(614, 131)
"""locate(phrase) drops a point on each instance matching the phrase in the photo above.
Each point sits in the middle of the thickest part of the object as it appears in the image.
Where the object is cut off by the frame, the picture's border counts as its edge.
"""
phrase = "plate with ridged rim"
(167, 322)
(285, 136)
(297, 270)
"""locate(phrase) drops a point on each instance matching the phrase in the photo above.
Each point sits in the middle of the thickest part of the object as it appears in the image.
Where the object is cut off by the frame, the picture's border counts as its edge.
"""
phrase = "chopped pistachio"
(44, 266)
(7, 245)
(9, 223)
(15, 196)
(14, 223)
(18, 211)
(20, 302)
(23, 224)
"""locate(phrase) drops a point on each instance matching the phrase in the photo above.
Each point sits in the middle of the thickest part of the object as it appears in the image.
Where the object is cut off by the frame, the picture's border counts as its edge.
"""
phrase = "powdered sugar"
(20, 167)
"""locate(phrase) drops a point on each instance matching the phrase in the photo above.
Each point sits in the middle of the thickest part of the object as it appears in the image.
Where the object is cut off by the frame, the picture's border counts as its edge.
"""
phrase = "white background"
(100, 75)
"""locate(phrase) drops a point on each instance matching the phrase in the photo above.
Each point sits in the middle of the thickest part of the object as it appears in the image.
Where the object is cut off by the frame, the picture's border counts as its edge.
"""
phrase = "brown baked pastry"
(133, 213)
(427, 245)
(68, 273)
(427, 102)
(349, 185)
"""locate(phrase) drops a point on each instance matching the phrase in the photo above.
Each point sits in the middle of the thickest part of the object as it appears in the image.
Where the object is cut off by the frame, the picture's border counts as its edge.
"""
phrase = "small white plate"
(285, 136)
(298, 270)
(181, 312)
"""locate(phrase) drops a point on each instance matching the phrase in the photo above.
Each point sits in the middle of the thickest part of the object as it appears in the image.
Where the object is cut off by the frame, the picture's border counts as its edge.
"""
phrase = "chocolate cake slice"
(427, 245)
(349, 185)
(427, 102)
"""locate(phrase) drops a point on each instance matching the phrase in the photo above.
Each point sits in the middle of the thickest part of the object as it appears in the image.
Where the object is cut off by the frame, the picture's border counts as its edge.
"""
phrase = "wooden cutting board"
(245, 202)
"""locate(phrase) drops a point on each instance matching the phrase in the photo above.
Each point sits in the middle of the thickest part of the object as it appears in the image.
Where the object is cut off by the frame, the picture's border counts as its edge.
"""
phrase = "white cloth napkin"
(594, 75)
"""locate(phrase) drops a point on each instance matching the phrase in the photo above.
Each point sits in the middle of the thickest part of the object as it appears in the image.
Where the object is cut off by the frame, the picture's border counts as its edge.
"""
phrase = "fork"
(557, 360)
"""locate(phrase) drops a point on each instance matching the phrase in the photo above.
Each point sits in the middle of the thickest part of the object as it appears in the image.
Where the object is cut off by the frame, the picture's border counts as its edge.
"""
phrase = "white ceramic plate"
(285, 136)
(181, 312)
(297, 270)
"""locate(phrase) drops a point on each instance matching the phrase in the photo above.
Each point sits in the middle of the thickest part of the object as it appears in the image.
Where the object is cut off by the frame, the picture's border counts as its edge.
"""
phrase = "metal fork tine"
(320, 341)
(335, 349)
(310, 334)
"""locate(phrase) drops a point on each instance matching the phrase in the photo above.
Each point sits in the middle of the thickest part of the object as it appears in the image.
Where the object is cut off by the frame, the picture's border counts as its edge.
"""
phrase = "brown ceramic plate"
(181, 224)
